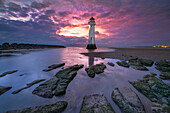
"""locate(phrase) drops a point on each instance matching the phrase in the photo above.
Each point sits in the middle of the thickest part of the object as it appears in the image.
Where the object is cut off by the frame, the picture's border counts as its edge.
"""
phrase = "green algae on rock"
(163, 66)
(46, 89)
(165, 75)
(4, 89)
(28, 85)
(95, 69)
(58, 84)
(111, 64)
(146, 62)
(9, 72)
(57, 107)
(156, 90)
(96, 103)
(123, 63)
(54, 66)
(142, 68)
(127, 100)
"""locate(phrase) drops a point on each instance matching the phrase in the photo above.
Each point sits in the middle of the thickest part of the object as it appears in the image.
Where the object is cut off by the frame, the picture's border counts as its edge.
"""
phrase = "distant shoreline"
(126, 53)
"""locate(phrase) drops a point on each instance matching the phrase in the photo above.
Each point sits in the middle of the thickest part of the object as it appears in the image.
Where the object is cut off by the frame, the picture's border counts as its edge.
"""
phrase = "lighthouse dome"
(91, 18)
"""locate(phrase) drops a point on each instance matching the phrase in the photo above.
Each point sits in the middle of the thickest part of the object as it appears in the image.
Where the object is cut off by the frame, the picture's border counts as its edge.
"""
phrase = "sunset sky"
(65, 22)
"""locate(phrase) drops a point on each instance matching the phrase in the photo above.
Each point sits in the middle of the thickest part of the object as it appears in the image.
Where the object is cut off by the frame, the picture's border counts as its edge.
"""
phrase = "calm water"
(32, 64)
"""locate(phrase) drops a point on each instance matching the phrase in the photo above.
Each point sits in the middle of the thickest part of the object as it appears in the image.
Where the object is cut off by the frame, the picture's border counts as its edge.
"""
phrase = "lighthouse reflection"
(91, 61)
(91, 58)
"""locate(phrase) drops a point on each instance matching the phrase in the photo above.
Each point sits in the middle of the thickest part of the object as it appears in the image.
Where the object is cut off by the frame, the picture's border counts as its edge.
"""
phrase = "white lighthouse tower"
(91, 42)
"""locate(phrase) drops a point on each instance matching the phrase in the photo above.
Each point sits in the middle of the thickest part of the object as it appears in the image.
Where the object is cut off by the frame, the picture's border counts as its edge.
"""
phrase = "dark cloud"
(50, 12)
(14, 7)
(63, 13)
(38, 5)
(77, 18)
(23, 14)
(103, 15)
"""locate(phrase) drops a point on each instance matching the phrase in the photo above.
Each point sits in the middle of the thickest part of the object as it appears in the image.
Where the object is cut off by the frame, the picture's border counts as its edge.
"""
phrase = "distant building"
(91, 41)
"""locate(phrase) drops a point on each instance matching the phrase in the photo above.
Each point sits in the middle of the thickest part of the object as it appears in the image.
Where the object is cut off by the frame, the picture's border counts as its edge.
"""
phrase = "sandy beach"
(154, 54)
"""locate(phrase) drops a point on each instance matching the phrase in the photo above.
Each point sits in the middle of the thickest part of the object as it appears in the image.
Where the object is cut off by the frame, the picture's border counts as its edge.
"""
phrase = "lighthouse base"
(91, 46)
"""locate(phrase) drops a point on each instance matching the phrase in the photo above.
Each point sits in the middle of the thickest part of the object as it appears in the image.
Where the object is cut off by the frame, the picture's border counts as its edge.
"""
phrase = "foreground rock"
(46, 89)
(9, 72)
(58, 84)
(165, 75)
(95, 69)
(4, 89)
(54, 66)
(163, 66)
(156, 90)
(123, 63)
(138, 64)
(127, 100)
(96, 104)
(146, 62)
(111, 64)
(57, 107)
(28, 85)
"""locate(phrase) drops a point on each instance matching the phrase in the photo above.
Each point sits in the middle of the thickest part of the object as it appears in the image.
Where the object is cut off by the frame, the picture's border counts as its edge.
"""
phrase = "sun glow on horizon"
(79, 31)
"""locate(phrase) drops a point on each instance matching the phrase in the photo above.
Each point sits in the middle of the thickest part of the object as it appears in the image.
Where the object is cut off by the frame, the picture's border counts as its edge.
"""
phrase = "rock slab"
(54, 66)
(4, 89)
(28, 85)
(95, 69)
(58, 84)
(9, 72)
(127, 100)
(96, 104)
(156, 90)
(57, 107)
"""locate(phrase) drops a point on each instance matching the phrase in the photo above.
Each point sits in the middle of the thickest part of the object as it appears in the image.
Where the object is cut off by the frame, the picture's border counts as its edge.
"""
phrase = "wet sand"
(154, 54)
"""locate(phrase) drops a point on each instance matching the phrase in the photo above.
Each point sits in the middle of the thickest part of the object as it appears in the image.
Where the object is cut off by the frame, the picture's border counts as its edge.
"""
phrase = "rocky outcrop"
(164, 67)
(127, 100)
(58, 84)
(156, 90)
(165, 75)
(111, 64)
(95, 69)
(123, 63)
(137, 64)
(4, 89)
(146, 62)
(28, 85)
(9, 72)
(46, 89)
(54, 66)
(96, 104)
(57, 107)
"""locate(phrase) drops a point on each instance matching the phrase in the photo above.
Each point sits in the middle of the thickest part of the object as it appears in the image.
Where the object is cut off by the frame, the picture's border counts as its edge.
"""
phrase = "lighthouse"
(91, 41)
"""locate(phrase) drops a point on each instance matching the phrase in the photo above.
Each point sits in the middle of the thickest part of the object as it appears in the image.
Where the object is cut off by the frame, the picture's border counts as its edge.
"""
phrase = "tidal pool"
(32, 64)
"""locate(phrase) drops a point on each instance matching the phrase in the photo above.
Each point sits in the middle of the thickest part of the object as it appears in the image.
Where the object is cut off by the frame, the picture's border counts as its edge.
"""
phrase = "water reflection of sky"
(33, 63)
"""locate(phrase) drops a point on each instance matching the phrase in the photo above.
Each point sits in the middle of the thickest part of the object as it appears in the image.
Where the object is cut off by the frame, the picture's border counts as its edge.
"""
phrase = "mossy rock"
(165, 75)
(142, 68)
(58, 83)
(96, 103)
(123, 63)
(57, 107)
(155, 89)
(9, 72)
(146, 62)
(127, 101)
(95, 69)
(4, 89)
(111, 64)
